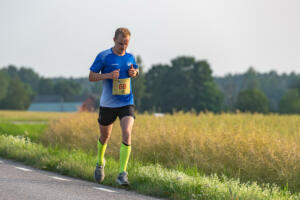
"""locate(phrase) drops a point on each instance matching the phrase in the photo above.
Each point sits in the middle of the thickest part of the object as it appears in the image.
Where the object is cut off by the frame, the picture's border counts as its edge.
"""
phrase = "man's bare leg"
(105, 132)
(126, 126)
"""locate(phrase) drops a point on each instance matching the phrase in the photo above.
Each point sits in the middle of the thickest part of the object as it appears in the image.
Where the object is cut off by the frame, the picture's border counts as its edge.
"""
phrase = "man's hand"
(115, 74)
(132, 72)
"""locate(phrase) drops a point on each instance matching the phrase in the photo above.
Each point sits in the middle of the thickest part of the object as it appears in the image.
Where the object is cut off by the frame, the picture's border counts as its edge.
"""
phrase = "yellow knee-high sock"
(101, 152)
(124, 157)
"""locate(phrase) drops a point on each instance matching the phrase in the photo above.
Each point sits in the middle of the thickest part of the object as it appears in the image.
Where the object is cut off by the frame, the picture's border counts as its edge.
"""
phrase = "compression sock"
(101, 152)
(124, 156)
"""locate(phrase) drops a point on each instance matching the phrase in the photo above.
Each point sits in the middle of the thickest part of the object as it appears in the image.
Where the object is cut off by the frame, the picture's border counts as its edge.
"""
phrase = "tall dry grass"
(252, 147)
(9, 115)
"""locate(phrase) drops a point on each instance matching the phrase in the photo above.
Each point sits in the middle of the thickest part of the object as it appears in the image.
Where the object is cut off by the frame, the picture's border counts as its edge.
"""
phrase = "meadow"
(245, 149)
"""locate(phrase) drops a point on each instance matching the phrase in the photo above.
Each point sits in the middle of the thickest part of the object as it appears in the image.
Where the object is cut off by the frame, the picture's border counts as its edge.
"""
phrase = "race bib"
(121, 86)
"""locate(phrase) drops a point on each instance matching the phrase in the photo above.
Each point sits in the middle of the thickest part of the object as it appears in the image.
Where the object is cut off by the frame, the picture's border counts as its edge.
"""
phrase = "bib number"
(121, 86)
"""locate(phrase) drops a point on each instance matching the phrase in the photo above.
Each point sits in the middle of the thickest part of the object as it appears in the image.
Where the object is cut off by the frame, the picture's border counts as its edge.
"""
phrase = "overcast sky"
(63, 37)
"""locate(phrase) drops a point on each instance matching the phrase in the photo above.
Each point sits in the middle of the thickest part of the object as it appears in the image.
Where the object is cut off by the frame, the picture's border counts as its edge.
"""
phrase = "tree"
(273, 86)
(250, 80)
(4, 82)
(18, 96)
(295, 84)
(67, 89)
(204, 92)
(12, 71)
(155, 88)
(138, 85)
(252, 100)
(27, 75)
(46, 86)
(185, 85)
(270, 83)
(290, 102)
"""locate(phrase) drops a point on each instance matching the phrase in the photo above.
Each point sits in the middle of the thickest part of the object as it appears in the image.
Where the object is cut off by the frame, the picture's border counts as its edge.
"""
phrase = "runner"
(115, 67)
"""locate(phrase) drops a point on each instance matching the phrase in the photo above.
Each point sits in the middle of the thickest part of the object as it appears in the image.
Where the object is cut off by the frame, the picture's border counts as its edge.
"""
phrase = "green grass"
(177, 183)
(147, 179)
(32, 131)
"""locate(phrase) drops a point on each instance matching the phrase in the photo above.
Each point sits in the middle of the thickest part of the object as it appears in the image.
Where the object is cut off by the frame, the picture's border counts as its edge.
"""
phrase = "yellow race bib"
(121, 86)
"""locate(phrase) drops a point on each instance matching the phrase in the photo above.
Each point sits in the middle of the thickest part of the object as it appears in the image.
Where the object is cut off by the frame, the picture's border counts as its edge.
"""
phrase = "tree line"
(185, 84)
(18, 87)
(261, 92)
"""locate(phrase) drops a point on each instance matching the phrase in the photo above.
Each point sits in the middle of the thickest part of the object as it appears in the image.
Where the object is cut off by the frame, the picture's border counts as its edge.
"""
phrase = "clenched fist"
(115, 74)
(132, 72)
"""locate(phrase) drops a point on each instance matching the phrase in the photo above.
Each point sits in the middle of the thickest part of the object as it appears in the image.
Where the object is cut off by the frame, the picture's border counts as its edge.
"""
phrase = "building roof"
(58, 98)
(55, 106)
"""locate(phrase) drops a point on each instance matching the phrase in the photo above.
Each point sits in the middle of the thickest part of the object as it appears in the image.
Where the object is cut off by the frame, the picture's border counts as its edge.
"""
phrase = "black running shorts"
(107, 115)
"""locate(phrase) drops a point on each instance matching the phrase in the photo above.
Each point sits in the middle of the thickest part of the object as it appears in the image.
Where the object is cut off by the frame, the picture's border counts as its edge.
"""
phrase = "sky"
(63, 37)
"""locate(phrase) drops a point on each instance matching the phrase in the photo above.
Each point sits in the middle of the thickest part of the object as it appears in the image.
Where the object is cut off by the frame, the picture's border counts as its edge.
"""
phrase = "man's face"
(121, 43)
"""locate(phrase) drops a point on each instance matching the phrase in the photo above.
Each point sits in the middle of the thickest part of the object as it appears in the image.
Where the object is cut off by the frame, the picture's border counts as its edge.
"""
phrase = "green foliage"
(67, 88)
(15, 93)
(28, 76)
(18, 96)
(4, 82)
(185, 85)
(155, 88)
(250, 80)
(295, 84)
(19, 86)
(11, 70)
(138, 85)
(88, 87)
(46, 86)
(290, 102)
(252, 100)
(272, 85)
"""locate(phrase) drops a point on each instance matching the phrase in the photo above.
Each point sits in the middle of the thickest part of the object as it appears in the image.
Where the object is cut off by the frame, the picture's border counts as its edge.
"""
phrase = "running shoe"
(123, 179)
(99, 172)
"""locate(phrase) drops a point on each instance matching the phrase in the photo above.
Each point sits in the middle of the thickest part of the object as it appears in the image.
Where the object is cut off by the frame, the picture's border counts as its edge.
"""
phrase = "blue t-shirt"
(106, 62)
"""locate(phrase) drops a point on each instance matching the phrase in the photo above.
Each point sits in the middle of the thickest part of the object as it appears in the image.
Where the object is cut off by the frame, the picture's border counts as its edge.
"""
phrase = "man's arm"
(133, 72)
(93, 77)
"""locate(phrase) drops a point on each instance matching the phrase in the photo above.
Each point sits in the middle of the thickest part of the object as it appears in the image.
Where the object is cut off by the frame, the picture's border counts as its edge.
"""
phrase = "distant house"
(90, 104)
(55, 103)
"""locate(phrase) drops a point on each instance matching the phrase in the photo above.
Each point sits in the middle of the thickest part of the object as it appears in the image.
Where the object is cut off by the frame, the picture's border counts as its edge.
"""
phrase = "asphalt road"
(20, 182)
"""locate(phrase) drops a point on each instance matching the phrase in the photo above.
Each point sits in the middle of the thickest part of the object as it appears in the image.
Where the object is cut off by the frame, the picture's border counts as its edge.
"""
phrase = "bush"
(290, 102)
(252, 100)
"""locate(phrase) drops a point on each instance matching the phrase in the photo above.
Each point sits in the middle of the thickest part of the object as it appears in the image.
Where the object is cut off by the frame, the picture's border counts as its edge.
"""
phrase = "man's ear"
(114, 39)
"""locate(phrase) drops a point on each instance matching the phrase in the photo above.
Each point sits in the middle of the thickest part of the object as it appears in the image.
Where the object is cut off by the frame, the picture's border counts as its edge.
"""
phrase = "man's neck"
(117, 53)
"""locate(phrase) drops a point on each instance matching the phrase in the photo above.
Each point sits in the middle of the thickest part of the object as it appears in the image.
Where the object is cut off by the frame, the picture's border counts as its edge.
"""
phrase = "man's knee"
(127, 122)
(127, 132)
(105, 132)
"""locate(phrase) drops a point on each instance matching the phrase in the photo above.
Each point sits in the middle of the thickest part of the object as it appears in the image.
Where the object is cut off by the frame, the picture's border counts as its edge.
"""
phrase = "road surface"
(20, 182)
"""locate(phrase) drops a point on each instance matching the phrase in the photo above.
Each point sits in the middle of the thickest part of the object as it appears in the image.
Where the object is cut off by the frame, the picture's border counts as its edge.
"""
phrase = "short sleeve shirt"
(106, 62)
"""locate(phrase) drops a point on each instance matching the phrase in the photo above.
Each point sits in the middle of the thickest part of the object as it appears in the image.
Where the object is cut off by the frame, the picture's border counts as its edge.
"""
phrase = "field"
(235, 150)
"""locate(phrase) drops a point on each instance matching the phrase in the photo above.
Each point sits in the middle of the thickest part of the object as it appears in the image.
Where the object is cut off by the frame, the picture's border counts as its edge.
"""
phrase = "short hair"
(122, 31)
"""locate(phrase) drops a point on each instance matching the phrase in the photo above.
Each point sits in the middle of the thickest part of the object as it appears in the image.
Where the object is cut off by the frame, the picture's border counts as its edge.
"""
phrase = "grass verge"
(147, 179)
(32, 131)
(248, 147)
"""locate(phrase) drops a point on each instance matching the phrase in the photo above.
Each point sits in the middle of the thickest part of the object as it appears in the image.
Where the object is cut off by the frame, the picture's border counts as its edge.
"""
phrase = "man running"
(115, 67)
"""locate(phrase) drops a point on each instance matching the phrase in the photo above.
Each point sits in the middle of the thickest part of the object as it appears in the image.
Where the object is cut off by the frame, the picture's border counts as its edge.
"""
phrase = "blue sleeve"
(97, 64)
